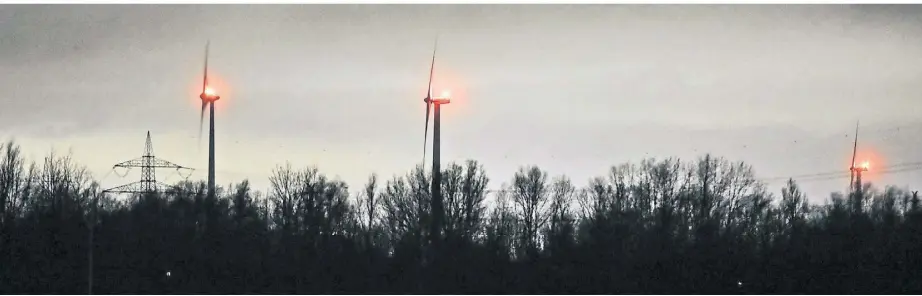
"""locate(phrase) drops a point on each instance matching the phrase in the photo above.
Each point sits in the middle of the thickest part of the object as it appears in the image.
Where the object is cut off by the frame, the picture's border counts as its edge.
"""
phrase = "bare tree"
(464, 189)
(666, 182)
(560, 230)
(405, 205)
(529, 193)
(368, 206)
(307, 203)
(720, 186)
(793, 208)
(62, 186)
(15, 186)
(501, 231)
(452, 179)
(284, 197)
(14, 181)
(621, 180)
(243, 202)
(885, 208)
(596, 200)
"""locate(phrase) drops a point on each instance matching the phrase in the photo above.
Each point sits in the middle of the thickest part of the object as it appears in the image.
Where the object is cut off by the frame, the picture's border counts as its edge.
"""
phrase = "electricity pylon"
(148, 164)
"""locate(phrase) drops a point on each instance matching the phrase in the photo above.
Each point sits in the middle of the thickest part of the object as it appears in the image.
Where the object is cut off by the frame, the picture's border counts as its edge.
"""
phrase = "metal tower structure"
(148, 164)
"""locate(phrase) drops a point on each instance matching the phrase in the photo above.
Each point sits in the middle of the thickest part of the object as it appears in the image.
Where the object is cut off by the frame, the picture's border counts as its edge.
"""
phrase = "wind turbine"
(436, 203)
(208, 97)
(855, 182)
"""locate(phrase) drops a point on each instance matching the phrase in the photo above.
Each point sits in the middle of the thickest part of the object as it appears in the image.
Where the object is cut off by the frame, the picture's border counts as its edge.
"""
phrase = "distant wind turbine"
(434, 103)
(208, 96)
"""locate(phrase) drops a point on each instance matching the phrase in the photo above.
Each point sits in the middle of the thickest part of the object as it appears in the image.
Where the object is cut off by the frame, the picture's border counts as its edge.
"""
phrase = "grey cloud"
(576, 87)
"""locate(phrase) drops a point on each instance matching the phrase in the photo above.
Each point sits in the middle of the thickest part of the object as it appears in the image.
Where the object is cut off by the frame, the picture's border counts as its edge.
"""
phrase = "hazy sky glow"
(573, 89)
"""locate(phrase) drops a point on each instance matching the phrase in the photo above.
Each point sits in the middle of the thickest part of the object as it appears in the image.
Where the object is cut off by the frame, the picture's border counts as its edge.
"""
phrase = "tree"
(464, 190)
(368, 206)
(529, 195)
(560, 231)
(703, 226)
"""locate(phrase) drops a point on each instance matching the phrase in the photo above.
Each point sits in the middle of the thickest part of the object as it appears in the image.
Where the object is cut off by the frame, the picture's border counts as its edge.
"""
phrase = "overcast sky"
(573, 89)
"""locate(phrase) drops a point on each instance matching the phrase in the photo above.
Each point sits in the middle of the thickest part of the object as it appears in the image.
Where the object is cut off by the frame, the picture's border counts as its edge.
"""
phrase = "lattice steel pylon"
(148, 164)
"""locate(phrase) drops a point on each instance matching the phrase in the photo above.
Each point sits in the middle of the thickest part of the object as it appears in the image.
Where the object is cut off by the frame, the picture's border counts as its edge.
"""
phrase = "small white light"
(739, 284)
(167, 273)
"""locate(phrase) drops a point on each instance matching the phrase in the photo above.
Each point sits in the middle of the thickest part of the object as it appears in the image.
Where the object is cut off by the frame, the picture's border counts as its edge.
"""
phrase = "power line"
(835, 173)
(886, 134)
(832, 176)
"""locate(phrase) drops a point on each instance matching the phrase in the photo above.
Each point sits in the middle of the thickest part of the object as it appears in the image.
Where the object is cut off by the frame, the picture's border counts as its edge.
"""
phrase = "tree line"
(654, 227)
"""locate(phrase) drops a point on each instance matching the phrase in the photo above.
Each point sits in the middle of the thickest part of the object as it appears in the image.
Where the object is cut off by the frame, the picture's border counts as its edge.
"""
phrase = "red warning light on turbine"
(446, 94)
(866, 165)
(209, 91)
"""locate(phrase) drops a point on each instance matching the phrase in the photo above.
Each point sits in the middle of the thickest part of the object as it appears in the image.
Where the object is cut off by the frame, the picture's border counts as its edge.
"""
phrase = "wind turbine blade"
(201, 118)
(429, 99)
(201, 121)
(854, 154)
(432, 69)
(426, 133)
(855, 148)
(205, 76)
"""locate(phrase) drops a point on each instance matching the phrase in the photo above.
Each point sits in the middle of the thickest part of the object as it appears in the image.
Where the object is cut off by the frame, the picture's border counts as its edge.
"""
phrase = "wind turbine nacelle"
(445, 98)
(442, 100)
(209, 97)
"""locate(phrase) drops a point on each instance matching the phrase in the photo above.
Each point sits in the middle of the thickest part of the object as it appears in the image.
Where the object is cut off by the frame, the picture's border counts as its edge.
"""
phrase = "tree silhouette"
(654, 227)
